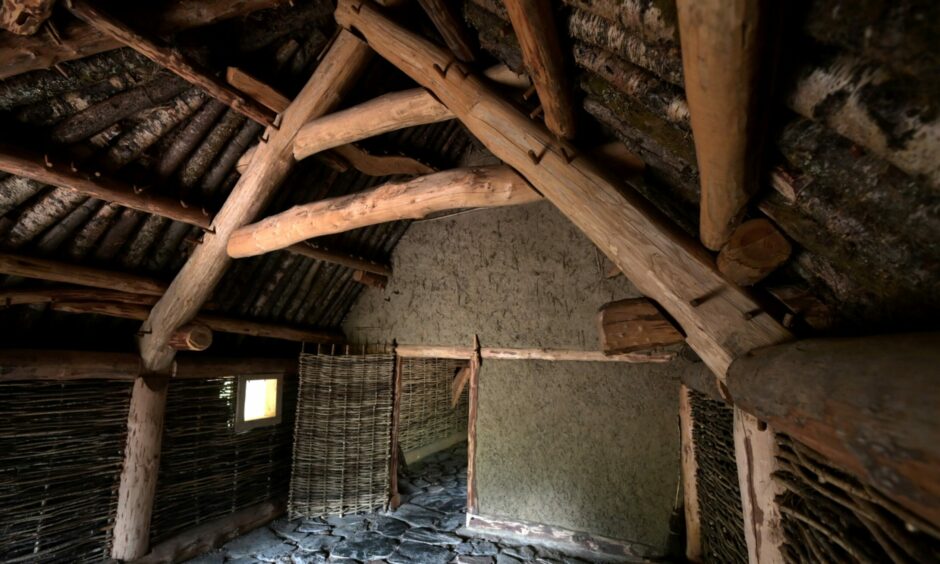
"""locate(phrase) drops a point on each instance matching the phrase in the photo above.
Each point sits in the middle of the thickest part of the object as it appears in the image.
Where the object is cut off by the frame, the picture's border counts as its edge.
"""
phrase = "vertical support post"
(755, 450)
(474, 392)
(394, 499)
(141, 467)
(693, 528)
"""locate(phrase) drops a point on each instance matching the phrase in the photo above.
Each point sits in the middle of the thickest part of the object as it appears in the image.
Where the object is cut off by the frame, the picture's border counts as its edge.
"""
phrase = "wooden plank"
(473, 401)
(350, 261)
(869, 405)
(336, 73)
(58, 173)
(557, 355)
(394, 499)
(450, 27)
(481, 187)
(213, 534)
(24, 17)
(77, 40)
(170, 58)
(755, 249)
(755, 449)
(55, 271)
(259, 91)
(534, 24)
(693, 525)
(138, 483)
(721, 54)
(634, 324)
(720, 320)
(214, 322)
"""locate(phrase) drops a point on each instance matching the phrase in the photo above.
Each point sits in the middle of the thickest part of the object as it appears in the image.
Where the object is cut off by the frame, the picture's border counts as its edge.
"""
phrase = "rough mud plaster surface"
(586, 446)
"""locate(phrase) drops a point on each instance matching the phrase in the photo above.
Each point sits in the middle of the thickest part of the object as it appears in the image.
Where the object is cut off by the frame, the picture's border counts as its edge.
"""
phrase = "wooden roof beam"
(349, 261)
(721, 55)
(50, 171)
(441, 13)
(534, 24)
(56, 271)
(721, 321)
(171, 59)
(413, 199)
(77, 40)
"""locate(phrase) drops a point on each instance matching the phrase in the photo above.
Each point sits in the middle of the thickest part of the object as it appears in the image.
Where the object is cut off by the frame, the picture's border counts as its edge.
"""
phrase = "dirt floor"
(426, 529)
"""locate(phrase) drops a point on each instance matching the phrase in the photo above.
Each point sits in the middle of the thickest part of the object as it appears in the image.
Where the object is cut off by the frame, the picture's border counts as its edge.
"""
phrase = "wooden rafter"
(350, 261)
(534, 24)
(450, 27)
(721, 56)
(46, 295)
(261, 92)
(170, 58)
(411, 199)
(57, 173)
(56, 271)
(721, 322)
(77, 40)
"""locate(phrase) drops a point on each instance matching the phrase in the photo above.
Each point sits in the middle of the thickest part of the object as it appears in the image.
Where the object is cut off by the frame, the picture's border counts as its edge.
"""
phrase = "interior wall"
(598, 442)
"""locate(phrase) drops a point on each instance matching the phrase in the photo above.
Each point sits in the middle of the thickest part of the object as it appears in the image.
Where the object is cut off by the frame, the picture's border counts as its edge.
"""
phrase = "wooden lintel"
(56, 271)
(721, 321)
(479, 187)
(557, 355)
(169, 58)
(721, 56)
(534, 24)
(58, 173)
(78, 39)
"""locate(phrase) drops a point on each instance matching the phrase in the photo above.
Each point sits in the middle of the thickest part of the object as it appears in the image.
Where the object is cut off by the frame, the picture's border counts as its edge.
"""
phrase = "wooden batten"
(555, 355)
(259, 91)
(450, 27)
(191, 337)
(721, 322)
(755, 450)
(57, 173)
(721, 57)
(55, 271)
(341, 65)
(633, 325)
(169, 58)
(480, 187)
(370, 279)
(534, 24)
(755, 249)
(350, 261)
(824, 392)
(693, 524)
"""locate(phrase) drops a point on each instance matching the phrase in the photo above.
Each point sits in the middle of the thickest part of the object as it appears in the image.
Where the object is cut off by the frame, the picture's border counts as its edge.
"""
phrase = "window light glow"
(260, 399)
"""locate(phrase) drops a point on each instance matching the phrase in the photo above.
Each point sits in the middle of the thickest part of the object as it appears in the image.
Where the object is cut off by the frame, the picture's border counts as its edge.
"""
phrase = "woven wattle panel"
(207, 470)
(342, 435)
(426, 413)
(61, 450)
(719, 495)
(829, 515)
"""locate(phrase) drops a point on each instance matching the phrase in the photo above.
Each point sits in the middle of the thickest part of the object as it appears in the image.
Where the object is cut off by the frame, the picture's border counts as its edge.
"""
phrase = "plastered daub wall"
(586, 446)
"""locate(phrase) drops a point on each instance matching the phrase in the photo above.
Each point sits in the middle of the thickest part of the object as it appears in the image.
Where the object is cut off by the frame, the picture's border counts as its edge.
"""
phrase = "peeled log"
(191, 337)
(755, 249)
(720, 57)
(869, 405)
(481, 187)
(55, 271)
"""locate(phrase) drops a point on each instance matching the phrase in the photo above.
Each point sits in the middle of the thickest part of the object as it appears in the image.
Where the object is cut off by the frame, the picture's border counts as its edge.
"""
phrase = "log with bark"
(655, 21)
(24, 17)
(411, 199)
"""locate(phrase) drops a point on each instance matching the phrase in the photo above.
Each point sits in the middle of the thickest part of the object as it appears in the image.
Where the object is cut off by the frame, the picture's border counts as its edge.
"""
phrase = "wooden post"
(755, 249)
(693, 525)
(755, 449)
(474, 399)
(534, 24)
(336, 73)
(721, 43)
(52, 171)
(394, 497)
(141, 465)
(869, 405)
(720, 320)
(481, 187)
(169, 58)
(192, 337)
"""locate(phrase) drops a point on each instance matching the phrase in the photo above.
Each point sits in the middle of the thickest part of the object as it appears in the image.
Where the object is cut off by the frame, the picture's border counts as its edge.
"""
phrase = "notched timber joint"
(695, 302)
(749, 315)
(442, 72)
(537, 158)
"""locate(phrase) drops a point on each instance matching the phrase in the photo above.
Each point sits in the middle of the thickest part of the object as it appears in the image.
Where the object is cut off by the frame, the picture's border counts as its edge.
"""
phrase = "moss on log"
(654, 20)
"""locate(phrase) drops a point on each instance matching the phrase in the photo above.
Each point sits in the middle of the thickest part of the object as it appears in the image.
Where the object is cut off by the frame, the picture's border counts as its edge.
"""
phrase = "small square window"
(258, 402)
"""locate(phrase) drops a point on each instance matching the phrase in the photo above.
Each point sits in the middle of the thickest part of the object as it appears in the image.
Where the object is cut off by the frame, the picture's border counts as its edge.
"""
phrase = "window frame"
(242, 426)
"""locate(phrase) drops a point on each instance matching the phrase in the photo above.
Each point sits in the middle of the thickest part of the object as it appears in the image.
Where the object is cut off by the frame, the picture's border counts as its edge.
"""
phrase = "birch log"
(721, 321)
(482, 187)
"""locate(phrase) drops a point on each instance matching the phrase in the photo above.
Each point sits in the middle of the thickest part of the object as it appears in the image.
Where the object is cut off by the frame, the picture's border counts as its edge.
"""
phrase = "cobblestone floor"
(424, 529)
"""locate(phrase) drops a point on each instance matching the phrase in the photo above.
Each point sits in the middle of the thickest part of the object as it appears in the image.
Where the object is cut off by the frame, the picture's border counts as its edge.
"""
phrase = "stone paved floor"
(423, 530)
